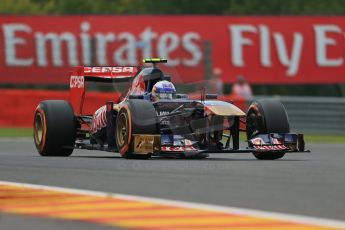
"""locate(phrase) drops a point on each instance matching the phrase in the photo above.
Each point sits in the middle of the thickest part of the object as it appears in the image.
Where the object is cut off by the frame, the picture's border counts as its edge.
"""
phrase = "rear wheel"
(54, 128)
(136, 117)
(266, 116)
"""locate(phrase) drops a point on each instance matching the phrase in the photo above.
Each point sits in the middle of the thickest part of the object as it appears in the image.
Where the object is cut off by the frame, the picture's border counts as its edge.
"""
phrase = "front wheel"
(267, 116)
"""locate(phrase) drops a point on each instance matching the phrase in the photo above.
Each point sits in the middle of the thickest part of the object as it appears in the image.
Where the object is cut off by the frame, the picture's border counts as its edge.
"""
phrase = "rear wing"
(79, 75)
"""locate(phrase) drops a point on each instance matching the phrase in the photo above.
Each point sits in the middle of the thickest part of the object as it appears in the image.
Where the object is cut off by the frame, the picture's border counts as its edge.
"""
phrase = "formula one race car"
(151, 119)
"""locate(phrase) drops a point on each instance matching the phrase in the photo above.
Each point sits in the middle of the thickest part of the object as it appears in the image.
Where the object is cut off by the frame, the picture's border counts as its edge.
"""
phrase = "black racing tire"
(135, 117)
(54, 128)
(267, 116)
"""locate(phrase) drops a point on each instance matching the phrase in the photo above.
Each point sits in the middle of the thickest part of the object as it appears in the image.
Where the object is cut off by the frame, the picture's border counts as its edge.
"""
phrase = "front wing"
(177, 145)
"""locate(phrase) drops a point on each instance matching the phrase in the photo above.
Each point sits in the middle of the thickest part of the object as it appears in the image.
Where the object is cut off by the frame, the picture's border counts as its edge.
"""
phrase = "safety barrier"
(306, 114)
(320, 115)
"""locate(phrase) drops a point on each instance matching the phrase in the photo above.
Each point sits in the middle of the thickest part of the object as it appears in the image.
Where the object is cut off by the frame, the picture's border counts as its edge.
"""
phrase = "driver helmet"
(163, 90)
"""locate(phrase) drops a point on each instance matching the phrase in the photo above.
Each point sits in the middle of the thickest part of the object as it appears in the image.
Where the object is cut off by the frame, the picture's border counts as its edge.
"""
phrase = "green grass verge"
(27, 132)
(16, 132)
(324, 138)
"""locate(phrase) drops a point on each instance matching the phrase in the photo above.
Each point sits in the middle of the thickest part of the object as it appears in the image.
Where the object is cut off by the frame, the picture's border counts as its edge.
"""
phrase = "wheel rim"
(122, 129)
(38, 128)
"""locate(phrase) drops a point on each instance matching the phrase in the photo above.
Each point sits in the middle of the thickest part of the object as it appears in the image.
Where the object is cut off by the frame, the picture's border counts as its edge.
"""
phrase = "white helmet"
(163, 90)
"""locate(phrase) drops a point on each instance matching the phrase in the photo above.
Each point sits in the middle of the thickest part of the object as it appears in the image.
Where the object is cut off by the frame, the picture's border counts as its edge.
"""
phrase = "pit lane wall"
(18, 106)
(265, 49)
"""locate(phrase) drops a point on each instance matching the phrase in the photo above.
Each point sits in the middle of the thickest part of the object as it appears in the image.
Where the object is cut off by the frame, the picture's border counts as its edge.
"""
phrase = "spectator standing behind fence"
(216, 83)
(242, 88)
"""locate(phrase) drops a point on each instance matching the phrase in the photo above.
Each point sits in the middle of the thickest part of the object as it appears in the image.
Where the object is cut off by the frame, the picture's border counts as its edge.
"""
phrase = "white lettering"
(192, 48)
(106, 69)
(76, 82)
(322, 41)
(238, 41)
(96, 69)
(293, 62)
(126, 54)
(85, 43)
(167, 43)
(265, 49)
(128, 69)
(56, 41)
(115, 69)
(101, 47)
(146, 42)
(11, 41)
(67, 48)
(87, 69)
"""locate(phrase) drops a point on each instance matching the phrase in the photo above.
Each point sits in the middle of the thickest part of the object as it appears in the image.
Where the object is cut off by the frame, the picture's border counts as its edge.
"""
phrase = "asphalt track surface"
(309, 184)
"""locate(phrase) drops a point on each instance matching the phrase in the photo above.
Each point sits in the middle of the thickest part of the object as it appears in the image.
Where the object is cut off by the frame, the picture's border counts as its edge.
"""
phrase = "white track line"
(230, 210)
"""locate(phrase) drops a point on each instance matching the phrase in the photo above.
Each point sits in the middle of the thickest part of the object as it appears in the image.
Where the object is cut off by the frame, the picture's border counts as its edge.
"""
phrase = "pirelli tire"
(267, 116)
(54, 128)
(136, 116)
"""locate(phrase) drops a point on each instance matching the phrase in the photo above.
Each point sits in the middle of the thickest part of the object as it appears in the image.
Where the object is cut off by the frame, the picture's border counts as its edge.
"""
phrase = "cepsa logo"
(76, 82)
(115, 69)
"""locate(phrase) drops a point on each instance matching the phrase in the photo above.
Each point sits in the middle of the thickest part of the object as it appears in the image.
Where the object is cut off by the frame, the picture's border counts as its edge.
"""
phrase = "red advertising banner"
(266, 50)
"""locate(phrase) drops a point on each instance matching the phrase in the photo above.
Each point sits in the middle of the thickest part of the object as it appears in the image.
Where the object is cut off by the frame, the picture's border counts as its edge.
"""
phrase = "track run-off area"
(98, 190)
